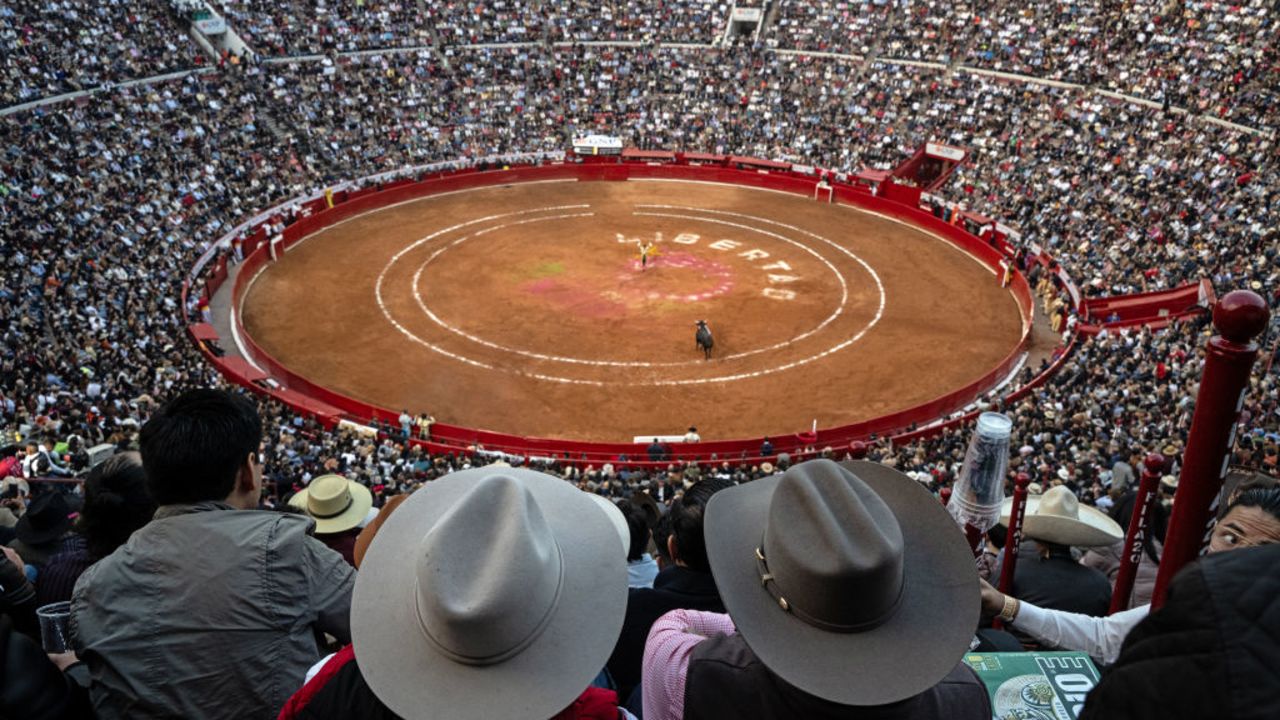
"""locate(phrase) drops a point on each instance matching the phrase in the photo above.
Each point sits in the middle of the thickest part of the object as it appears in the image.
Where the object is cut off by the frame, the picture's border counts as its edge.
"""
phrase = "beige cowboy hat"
(1058, 517)
(491, 592)
(334, 502)
(849, 581)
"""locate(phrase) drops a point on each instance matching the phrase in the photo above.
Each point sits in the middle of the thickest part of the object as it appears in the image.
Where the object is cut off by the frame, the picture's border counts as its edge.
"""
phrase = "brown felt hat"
(491, 592)
(847, 580)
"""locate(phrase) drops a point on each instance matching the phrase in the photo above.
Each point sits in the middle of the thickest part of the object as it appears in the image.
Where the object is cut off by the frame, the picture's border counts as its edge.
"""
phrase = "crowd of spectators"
(305, 28)
(1127, 197)
(62, 46)
(106, 201)
(1213, 58)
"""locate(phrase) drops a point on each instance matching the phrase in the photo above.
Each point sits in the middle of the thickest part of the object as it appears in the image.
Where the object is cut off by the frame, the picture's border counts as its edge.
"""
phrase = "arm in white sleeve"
(1100, 637)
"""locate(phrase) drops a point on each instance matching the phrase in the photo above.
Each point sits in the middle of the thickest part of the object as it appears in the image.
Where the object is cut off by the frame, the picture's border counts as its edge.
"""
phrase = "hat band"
(351, 498)
(770, 584)
(509, 653)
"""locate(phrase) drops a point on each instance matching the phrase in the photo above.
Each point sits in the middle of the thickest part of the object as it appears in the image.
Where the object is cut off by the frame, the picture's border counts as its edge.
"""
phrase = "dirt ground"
(525, 309)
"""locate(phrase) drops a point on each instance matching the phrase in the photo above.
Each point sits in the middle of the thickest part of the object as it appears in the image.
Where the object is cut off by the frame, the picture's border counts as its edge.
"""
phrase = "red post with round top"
(1240, 316)
(1013, 537)
(1136, 535)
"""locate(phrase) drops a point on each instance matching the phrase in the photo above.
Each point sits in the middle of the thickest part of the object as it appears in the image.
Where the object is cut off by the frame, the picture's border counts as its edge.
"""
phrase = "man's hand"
(15, 558)
(992, 600)
(63, 660)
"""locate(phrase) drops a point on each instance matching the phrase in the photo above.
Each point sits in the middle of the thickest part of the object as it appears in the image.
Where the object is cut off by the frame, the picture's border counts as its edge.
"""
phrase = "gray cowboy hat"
(491, 592)
(849, 581)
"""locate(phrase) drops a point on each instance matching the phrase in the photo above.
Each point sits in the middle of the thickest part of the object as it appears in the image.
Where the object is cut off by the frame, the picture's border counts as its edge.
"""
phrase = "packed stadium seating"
(1128, 197)
(1134, 141)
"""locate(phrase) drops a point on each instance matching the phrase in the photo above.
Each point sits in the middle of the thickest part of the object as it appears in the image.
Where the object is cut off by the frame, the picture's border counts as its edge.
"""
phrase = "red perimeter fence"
(330, 407)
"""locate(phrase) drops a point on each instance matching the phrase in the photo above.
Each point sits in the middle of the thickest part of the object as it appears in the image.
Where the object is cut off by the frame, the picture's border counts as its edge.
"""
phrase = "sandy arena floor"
(524, 309)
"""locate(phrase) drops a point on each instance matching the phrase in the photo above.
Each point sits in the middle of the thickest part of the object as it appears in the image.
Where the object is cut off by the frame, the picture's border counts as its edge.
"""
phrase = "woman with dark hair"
(116, 502)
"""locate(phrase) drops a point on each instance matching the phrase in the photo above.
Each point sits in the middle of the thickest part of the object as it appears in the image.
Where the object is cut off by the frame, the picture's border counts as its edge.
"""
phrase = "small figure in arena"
(704, 340)
(647, 250)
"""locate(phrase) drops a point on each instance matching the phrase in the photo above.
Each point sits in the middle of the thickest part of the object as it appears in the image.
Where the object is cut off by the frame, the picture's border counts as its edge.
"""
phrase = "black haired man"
(212, 609)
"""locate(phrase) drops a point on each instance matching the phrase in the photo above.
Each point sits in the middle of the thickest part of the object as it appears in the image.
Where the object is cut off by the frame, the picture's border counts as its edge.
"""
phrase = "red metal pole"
(1239, 317)
(1131, 555)
(977, 540)
(1012, 537)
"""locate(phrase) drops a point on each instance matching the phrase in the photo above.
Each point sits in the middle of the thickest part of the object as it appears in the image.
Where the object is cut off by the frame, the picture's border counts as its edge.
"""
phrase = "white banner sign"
(944, 151)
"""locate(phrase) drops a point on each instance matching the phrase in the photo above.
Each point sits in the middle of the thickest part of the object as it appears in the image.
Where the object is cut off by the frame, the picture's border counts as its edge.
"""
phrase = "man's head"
(203, 445)
(686, 544)
(638, 526)
(1253, 518)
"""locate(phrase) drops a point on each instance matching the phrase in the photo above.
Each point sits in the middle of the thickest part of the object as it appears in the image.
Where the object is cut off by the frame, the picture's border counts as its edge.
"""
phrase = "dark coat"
(1060, 583)
(1211, 652)
(675, 588)
(34, 688)
(726, 680)
(339, 690)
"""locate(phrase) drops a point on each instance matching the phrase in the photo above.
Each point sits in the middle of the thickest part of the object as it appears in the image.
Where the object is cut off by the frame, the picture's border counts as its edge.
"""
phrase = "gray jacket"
(208, 612)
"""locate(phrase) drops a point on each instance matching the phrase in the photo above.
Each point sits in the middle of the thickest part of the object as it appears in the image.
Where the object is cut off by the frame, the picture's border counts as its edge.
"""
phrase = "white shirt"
(1100, 637)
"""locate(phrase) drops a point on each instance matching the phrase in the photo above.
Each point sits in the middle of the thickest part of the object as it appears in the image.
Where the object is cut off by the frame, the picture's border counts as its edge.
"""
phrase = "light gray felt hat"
(491, 592)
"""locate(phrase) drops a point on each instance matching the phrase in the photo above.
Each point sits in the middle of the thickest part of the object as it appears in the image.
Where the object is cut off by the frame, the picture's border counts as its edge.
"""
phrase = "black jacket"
(1213, 650)
(1058, 582)
(726, 681)
(675, 588)
(31, 687)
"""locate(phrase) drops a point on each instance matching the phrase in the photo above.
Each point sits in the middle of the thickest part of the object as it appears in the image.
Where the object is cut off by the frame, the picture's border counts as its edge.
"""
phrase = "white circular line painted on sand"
(382, 305)
(658, 382)
(417, 294)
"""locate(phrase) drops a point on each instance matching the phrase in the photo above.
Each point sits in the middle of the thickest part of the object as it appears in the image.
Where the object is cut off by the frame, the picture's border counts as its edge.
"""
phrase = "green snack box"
(1035, 685)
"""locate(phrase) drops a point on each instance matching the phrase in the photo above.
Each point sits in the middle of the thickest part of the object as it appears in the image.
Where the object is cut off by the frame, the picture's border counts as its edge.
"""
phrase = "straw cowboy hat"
(849, 581)
(1058, 517)
(336, 503)
(491, 592)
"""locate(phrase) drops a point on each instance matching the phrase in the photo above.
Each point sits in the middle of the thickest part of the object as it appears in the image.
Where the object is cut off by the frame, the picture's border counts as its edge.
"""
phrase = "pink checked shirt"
(666, 658)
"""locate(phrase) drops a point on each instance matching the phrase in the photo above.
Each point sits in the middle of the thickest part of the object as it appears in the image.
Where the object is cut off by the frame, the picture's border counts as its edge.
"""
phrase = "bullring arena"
(349, 350)
(523, 308)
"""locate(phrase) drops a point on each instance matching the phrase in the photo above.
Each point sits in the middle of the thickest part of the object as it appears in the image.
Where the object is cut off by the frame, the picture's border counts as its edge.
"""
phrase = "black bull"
(703, 338)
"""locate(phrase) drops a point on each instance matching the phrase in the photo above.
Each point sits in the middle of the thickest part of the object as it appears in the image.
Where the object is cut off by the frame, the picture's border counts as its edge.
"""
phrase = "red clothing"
(340, 691)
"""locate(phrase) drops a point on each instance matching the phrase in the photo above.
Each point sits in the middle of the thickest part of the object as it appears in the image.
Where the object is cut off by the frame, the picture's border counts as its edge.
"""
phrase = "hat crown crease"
(329, 496)
(1059, 502)
(835, 551)
(489, 574)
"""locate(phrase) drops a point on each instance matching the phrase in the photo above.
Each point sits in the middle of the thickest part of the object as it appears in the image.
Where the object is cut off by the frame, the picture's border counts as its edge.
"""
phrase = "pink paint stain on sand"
(581, 301)
(596, 298)
(704, 270)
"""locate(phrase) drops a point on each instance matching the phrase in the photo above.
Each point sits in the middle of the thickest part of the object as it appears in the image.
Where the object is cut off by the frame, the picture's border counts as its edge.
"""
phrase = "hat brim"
(404, 668)
(361, 502)
(908, 654)
(1094, 528)
(30, 536)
